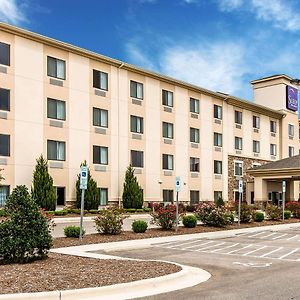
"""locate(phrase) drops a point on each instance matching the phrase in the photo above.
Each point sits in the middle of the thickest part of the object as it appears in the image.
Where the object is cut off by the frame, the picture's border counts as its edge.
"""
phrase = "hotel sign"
(291, 98)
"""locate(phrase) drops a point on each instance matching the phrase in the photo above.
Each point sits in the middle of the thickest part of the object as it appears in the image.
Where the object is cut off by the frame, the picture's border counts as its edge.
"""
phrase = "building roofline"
(269, 78)
(120, 64)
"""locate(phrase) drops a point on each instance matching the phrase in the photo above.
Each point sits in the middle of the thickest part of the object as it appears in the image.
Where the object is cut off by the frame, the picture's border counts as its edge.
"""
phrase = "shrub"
(72, 231)
(220, 202)
(110, 221)
(91, 195)
(191, 208)
(287, 214)
(93, 211)
(130, 210)
(60, 212)
(50, 212)
(181, 208)
(189, 221)
(43, 191)
(274, 212)
(165, 217)
(3, 213)
(258, 216)
(25, 236)
(147, 209)
(139, 210)
(294, 207)
(212, 215)
(132, 193)
(75, 211)
(139, 226)
(246, 212)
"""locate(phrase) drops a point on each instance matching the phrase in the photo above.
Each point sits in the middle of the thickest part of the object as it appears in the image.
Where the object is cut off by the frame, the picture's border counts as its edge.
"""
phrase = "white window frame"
(238, 162)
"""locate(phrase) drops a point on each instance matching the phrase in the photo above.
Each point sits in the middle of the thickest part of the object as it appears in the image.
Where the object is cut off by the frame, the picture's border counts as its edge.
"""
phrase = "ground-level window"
(237, 195)
(4, 193)
(218, 195)
(168, 196)
(103, 195)
(194, 197)
(238, 168)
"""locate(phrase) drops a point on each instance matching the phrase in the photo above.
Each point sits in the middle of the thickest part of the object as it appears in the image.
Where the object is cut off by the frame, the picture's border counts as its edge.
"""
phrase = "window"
(291, 130)
(256, 146)
(56, 68)
(291, 151)
(217, 139)
(4, 54)
(238, 143)
(255, 165)
(194, 106)
(136, 124)
(56, 150)
(217, 167)
(273, 149)
(256, 122)
(60, 195)
(100, 155)
(100, 117)
(137, 159)
(238, 168)
(4, 99)
(194, 164)
(4, 145)
(136, 90)
(218, 195)
(167, 98)
(273, 126)
(168, 196)
(4, 193)
(103, 195)
(237, 196)
(238, 117)
(194, 197)
(194, 135)
(56, 109)
(217, 112)
(100, 80)
(167, 162)
(168, 130)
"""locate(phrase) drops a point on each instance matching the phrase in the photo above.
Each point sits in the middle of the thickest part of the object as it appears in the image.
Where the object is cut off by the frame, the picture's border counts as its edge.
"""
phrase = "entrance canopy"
(268, 179)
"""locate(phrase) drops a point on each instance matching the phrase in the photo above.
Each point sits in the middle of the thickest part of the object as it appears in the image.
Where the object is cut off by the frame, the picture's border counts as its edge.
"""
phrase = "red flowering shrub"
(165, 217)
(294, 207)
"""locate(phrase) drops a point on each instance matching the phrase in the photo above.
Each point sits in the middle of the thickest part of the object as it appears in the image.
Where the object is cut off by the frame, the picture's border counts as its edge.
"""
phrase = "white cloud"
(11, 12)
(229, 5)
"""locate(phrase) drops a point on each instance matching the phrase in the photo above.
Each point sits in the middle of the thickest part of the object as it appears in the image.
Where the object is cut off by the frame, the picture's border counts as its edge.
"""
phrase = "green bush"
(60, 212)
(110, 221)
(139, 210)
(147, 209)
(3, 213)
(25, 236)
(287, 214)
(130, 210)
(246, 213)
(165, 217)
(139, 226)
(93, 211)
(72, 231)
(220, 202)
(274, 212)
(258, 216)
(76, 211)
(50, 212)
(189, 221)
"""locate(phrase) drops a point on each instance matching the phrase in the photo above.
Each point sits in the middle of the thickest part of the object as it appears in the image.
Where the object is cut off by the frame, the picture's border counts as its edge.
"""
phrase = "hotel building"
(71, 105)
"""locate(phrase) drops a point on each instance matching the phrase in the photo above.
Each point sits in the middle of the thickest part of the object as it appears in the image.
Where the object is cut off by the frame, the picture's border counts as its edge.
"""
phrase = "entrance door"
(252, 197)
(60, 192)
(275, 198)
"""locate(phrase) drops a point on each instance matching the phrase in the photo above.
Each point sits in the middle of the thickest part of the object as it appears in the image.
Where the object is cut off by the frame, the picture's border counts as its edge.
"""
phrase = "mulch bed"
(63, 272)
(151, 233)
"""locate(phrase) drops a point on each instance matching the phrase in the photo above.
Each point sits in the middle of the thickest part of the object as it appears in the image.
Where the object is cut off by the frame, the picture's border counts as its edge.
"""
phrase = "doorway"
(60, 193)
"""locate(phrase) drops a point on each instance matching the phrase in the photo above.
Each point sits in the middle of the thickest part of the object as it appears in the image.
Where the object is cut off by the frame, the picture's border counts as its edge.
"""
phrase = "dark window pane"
(96, 154)
(4, 145)
(51, 66)
(137, 159)
(96, 79)
(4, 54)
(4, 99)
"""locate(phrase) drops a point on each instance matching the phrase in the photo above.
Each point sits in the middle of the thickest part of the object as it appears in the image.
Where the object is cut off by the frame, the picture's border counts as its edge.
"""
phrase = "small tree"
(1, 177)
(43, 191)
(25, 235)
(132, 193)
(91, 195)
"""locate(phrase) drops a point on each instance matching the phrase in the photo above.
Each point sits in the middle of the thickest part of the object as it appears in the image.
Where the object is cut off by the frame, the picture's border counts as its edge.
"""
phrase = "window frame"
(293, 150)
(165, 161)
(218, 171)
(134, 89)
(97, 82)
(218, 112)
(166, 99)
(235, 162)
(49, 100)
(139, 163)
(237, 138)
(193, 137)
(238, 117)
(168, 127)
(6, 61)
(99, 161)
(256, 146)
(169, 196)
(273, 147)
(56, 73)
(99, 191)
(192, 201)
(6, 150)
(57, 145)
(135, 130)
(100, 124)
(6, 93)
(218, 139)
(2, 195)
(273, 126)
(256, 122)
(291, 130)
(195, 164)
(195, 109)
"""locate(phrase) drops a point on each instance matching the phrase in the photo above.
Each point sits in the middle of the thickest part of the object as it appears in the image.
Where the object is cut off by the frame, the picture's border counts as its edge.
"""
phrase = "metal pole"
(283, 205)
(177, 212)
(239, 209)
(81, 214)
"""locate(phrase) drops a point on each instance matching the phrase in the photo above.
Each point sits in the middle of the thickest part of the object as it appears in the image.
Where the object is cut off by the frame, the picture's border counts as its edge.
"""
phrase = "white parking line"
(256, 234)
(245, 247)
(280, 236)
(268, 253)
(197, 245)
(291, 252)
(230, 246)
(185, 243)
(269, 235)
(209, 247)
(252, 251)
(293, 237)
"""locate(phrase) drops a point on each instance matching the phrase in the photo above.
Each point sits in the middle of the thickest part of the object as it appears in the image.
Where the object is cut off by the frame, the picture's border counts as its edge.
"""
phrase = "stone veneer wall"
(232, 181)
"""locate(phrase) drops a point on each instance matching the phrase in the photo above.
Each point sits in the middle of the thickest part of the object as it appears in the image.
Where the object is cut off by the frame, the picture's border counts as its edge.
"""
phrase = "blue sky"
(217, 44)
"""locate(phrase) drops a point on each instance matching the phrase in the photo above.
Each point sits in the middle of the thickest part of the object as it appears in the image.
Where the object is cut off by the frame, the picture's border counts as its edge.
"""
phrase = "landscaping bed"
(151, 233)
(64, 272)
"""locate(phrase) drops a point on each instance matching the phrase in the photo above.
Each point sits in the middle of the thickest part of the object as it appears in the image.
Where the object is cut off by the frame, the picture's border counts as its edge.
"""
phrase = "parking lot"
(261, 264)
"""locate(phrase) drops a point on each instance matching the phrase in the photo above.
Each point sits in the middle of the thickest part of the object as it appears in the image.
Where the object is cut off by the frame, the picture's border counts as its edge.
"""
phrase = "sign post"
(83, 187)
(178, 184)
(283, 197)
(240, 200)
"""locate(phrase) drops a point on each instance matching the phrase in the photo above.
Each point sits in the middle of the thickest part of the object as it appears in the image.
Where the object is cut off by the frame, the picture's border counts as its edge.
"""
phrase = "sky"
(220, 45)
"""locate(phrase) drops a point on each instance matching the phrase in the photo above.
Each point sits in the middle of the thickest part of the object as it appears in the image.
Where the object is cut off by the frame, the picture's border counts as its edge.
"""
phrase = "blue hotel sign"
(291, 98)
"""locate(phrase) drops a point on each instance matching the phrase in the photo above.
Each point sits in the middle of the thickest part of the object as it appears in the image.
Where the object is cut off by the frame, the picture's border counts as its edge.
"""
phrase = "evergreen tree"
(132, 193)
(1, 177)
(43, 191)
(91, 195)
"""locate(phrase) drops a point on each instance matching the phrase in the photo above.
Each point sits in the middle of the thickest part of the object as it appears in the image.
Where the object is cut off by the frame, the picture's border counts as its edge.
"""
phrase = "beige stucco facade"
(29, 128)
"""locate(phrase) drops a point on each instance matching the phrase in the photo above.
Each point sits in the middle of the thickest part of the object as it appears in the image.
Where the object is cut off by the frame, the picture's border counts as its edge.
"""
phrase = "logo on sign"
(291, 98)
(83, 177)
(178, 184)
